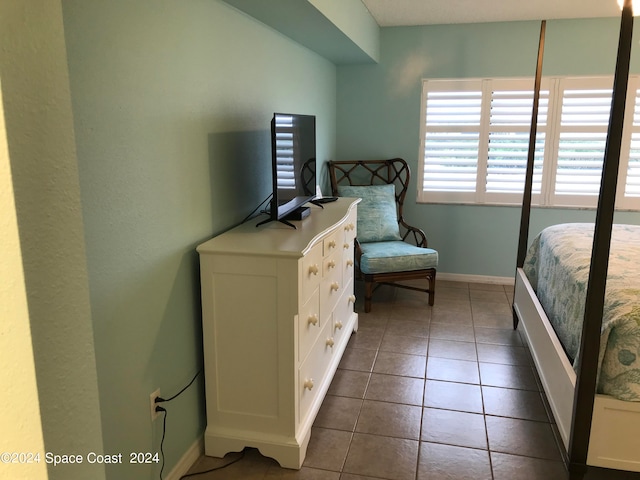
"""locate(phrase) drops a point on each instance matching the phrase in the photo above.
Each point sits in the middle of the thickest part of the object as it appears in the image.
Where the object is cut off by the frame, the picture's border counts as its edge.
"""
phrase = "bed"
(597, 429)
(550, 302)
(557, 267)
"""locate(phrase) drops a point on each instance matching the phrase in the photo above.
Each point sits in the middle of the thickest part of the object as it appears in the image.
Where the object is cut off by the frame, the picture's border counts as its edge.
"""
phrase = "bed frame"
(593, 427)
(613, 420)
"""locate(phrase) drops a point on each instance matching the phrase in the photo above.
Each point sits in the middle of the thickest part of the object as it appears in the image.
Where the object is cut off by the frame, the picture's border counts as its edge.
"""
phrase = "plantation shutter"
(475, 141)
(632, 187)
(509, 131)
(582, 136)
(451, 133)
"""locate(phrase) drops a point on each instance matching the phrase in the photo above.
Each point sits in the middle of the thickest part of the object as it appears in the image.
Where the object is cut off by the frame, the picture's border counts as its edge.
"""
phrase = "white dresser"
(277, 307)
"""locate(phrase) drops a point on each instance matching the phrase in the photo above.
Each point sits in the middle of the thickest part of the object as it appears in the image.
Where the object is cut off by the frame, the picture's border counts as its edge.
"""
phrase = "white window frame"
(554, 131)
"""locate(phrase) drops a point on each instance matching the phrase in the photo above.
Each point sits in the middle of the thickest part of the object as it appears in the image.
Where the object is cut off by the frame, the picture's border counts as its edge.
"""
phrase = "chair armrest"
(413, 234)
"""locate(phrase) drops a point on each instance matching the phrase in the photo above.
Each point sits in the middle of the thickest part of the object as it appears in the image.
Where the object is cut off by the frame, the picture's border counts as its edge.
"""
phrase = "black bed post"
(528, 180)
(590, 342)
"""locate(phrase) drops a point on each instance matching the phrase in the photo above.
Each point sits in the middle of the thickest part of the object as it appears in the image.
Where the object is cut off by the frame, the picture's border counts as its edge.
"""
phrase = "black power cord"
(164, 430)
(160, 409)
(250, 216)
(160, 399)
(215, 468)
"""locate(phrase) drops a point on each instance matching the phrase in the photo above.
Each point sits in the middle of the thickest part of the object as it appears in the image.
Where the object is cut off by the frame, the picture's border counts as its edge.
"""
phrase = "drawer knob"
(335, 286)
(313, 319)
(352, 298)
(350, 263)
(308, 383)
(346, 246)
(332, 244)
(339, 325)
(313, 269)
(330, 342)
(331, 264)
(352, 226)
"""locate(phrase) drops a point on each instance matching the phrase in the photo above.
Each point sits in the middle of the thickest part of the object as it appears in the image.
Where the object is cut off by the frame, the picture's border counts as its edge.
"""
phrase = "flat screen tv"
(293, 158)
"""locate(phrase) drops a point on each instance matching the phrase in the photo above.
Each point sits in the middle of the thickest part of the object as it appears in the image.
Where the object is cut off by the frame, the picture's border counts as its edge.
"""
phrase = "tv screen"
(293, 149)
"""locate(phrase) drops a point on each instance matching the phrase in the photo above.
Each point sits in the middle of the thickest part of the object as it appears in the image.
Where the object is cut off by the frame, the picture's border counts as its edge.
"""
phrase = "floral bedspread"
(557, 265)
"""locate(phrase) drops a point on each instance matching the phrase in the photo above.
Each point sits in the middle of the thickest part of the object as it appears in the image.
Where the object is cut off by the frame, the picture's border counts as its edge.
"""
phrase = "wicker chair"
(388, 249)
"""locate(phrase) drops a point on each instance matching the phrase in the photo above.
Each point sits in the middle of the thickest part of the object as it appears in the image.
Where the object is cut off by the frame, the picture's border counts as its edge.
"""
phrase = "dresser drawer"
(332, 264)
(332, 243)
(348, 269)
(311, 272)
(313, 370)
(331, 285)
(309, 325)
(342, 313)
(350, 227)
(347, 261)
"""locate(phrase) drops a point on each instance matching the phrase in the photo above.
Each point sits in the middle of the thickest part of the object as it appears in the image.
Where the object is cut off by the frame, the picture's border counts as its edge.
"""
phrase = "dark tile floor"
(426, 393)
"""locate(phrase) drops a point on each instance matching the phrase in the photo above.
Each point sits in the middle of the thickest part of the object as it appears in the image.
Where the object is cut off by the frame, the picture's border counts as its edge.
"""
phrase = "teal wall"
(355, 21)
(378, 116)
(172, 102)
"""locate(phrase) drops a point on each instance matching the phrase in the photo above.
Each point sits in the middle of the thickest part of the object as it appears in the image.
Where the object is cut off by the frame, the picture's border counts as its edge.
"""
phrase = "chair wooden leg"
(368, 293)
(432, 289)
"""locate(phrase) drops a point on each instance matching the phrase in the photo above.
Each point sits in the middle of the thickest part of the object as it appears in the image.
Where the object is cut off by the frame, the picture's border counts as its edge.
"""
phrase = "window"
(475, 141)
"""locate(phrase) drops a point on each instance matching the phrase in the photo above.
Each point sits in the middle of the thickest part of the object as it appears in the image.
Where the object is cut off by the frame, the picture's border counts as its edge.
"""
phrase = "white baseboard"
(461, 277)
(188, 459)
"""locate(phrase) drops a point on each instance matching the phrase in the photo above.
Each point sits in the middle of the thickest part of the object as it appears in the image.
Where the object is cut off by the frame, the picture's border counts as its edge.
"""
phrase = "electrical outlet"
(153, 404)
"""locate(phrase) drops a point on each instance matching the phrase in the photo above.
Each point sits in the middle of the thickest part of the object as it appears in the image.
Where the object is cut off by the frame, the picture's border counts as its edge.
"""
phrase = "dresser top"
(276, 238)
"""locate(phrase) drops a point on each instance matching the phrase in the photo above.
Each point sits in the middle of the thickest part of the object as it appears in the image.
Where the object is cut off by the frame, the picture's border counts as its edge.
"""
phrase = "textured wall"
(37, 108)
(172, 103)
(20, 423)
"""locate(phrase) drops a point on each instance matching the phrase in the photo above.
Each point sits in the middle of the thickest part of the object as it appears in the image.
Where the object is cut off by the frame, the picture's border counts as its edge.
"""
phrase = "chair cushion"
(397, 256)
(377, 213)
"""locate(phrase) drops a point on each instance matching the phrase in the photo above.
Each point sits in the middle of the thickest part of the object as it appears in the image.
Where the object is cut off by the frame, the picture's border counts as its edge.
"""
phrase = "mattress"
(557, 266)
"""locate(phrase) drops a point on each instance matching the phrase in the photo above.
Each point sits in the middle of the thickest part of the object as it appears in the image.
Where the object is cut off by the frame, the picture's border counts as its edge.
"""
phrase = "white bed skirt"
(615, 430)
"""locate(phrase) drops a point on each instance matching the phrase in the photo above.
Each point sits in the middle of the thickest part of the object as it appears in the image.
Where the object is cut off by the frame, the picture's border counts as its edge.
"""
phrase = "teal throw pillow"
(377, 213)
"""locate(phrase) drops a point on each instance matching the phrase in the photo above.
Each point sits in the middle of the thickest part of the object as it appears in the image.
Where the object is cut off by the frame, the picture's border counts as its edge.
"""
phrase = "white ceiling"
(432, 12)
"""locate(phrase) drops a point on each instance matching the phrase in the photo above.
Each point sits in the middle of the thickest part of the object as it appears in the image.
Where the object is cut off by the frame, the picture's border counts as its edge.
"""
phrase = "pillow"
(377, 213)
